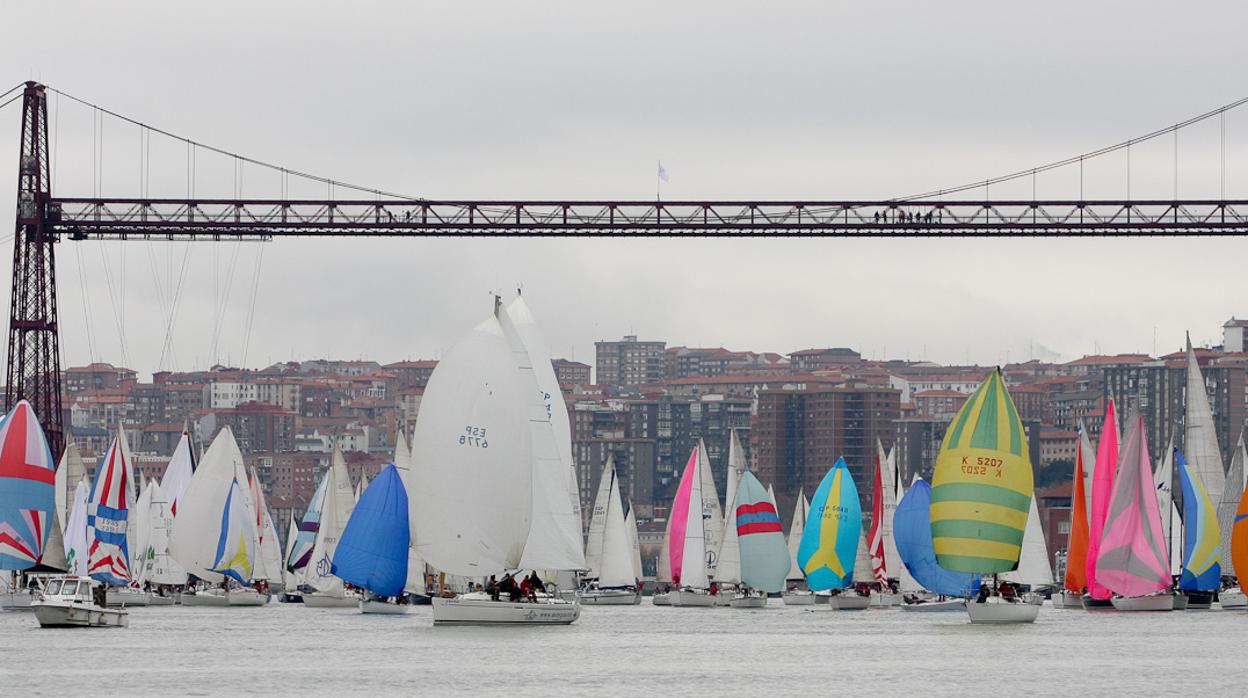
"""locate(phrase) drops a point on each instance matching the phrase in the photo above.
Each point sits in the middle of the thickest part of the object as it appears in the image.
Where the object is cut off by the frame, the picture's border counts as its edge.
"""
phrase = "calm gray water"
(630, 651)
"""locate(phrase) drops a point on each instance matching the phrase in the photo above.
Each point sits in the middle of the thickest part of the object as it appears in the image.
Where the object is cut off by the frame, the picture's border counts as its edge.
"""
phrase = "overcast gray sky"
(579, 100)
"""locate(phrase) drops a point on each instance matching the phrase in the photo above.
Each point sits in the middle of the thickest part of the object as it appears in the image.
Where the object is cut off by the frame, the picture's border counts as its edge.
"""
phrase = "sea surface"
(636, 651)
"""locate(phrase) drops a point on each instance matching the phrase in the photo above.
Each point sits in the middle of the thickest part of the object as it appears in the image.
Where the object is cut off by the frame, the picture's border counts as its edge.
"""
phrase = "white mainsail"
(165, 570)
(663, 571)
(630, 522)
(616, 566)
(1033, 562)
(598, 519)
(796, 527)
(76, 532)
(178, 472)
(693, 572)
(555, 541)
(472, 479)
(890, 479)
(197, 527)
(289, 580)
(728, 565)
(1229, 503)
(69, 472)
(712, 512)
(1200, 436)
(415, 583)
(142, 556)
(339, 500)
(1171, 523)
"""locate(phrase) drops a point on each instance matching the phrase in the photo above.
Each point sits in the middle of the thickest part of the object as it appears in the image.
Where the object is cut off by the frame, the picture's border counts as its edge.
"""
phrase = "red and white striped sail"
(27, 490)
(875, 539)
(108, 516)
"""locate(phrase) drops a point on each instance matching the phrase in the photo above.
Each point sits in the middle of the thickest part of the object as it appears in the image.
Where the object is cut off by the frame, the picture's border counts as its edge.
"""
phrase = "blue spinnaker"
(373, 551)
(912, 530)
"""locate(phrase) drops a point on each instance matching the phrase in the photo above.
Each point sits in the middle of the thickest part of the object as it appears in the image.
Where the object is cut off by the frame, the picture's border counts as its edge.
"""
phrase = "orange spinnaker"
(1077, 544)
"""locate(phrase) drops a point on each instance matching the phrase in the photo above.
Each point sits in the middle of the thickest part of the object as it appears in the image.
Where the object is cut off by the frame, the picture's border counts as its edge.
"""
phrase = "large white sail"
(598, 519)
(616, 568)
(1163, 480)
(556, 529)
(630, 522)
(728, 564)
(663, 571)
(178, 472)
(289, 580)
(796, 527)
(889, 479)
(1229, 502)
(415, 583)
(197, 527)
(339, 500)
(1033, 562)
(76, 554)
(712, 511)
(693, 562)
(1200, 436)
(69, 472)
(142, 556)
(164, 570)
(472, 473)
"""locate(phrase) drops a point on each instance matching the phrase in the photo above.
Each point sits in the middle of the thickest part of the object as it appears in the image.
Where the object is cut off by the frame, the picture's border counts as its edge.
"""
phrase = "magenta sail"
(1102, 488)
(680, 514)
(1132, 558)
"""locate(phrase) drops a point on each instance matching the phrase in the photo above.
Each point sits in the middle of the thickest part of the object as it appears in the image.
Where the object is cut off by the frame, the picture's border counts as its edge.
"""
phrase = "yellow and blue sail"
(982, 486)
(234, 556)
(1202, 538)
(833, 528)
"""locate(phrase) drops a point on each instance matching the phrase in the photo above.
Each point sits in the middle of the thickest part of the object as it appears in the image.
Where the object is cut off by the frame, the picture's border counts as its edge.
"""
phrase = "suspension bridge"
(45, 219)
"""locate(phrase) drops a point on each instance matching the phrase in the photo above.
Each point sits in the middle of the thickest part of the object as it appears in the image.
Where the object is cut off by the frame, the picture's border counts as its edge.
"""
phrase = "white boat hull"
(935, 606)
(16, 600)
(158, 600)
(685, 598)
(885, 600)
(1068, 600)
(609, 597)
(798, 598)
(1232, 599)
(748, 602)
(1160, 602)
(664, 599)
(848, 602)
(997, 612)
(212, 598)
(328, 601)
(59, 614)
(477, 611)
(383, 608)
(125, 597)
(246, 597)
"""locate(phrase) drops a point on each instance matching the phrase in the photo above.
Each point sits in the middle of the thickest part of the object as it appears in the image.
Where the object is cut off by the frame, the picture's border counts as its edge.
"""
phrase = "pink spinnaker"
(1102, 489)
(1132, 560)
(679, 515)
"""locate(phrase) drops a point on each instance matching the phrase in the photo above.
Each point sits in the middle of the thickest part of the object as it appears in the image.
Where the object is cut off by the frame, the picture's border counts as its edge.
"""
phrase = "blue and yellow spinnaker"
(833, 529)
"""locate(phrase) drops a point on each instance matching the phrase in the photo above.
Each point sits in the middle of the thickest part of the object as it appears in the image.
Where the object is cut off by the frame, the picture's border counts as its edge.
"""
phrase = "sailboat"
(1171, 521)
(269, 558)
(414, 586)
(1132, 562)
(882, 547)
(1202, 541)
(663, 570)
(1102, 488)
(981, 496)
(141, 559)
(162, 571)
(759, 537)
(69, 471)
(322, 588)
(831, 539)
(728, 559)
(372, 554)
(76, 550)
(1200, 435)
(1034, 568)
(1239, 552)
(913, 529)
(614, 581)
(303, 539)
(290, 582)
(793, 596)
(178, 472)
(1232, 498)
(688, 546)
(483, 457)
(27, 498)
(1076, 580)
(214, 533)
(108, 525)
(712, 511)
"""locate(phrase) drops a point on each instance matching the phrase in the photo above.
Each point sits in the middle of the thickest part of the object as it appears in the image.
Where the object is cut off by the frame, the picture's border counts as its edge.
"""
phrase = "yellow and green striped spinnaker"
(982, 487)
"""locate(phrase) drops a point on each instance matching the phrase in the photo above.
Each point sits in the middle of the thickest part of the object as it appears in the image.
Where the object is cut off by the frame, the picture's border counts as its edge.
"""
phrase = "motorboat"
(70, 602)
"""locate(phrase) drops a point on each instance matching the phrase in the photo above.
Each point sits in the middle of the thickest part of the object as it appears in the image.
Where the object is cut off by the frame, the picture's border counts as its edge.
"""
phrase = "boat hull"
(327, 601)
(1068, 600)
(1091, 604)
(609, 597)
(158, 600)
(664, 599)
(383, 608)
(798, 598)
(935, 606)
(885, 600)
(202, 598)
(16, 600)
(848, 602)
(692, 599)
(1195, 600)
(125, 597)
(995, 612)
(1232, 599)
(246, 597)
(1180, 603)
(55, 614)
(1160, 602)
(291, 597)
(461, 611)
(748, 602)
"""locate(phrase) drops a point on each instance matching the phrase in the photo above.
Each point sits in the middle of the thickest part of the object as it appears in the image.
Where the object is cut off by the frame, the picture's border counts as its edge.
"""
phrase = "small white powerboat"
(70, 602)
